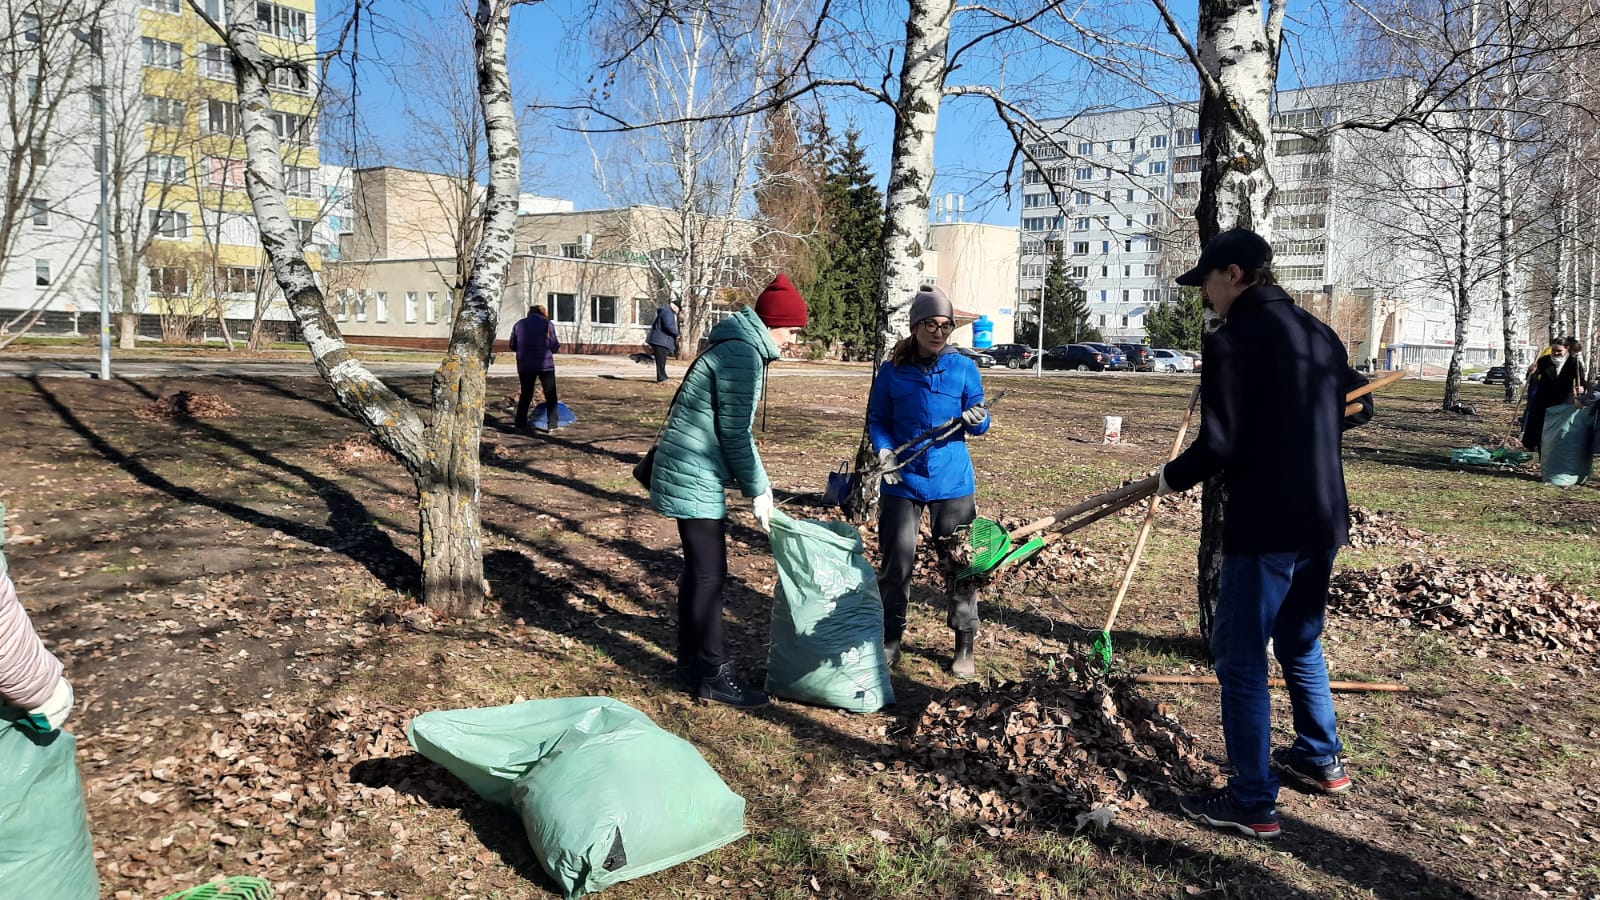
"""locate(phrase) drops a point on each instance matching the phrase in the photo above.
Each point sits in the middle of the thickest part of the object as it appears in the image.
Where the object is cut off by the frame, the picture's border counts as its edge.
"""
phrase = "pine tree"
(843, 296)
(1177, 324)
(1066, 310)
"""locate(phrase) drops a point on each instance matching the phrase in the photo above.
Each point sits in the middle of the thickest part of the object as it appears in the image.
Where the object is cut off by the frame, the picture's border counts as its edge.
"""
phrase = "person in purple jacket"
(534, 341)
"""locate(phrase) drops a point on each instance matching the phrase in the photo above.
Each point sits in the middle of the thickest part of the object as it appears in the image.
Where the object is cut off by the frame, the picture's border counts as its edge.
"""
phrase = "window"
(1111, 146)
(1303, 119)
(411, 307)
(1322, 168)
(362, 299)
(1032, 270)
(433, 307)
(1085, 173)
(1186, 165)
(382, 308)
(166, 6)
(1130, 195)
(289, 77)
(1124, 318)
(1133, 144)
(163, 110)
(1034, 201)
(1160, 168)
(1152, 295)
(1299, 273)
(216, 61)
(38, 155)
(1152, 244)
(1128, 222)
(225, 173)
(1158, 142)
(1158, 193)
(1082, 198)
(1188, 137)
(1186, 190)
(159, 54)
(1080, 272)
(1045, 150)
(1127, 272)
(41, 273)
(217, 10)
(1105, 271)
(238, 279)
(169, 224)
(603, 310)
(222, 117)
(164, 169)
(1297, 145)
(1085, 148)
(1102, 296)
(1301, 248)
(305, 228)
(30, 28)
(289, 24)
(1080, 248)
(341, 307)
(1306, 220)
(1125, 297)
(572, 251)
(33, 89)
(563, 307)
(1080, 225)
(298, 181)
(1152, 218)
(291, 127)
(1032, 176)
(169, 281)
(1127, 246)
(1105, 246)
(1102, 320)
(39, 212)
(1304, 197)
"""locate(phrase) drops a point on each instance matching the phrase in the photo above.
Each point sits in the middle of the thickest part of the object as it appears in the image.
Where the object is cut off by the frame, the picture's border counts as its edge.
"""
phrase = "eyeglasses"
(937, 327)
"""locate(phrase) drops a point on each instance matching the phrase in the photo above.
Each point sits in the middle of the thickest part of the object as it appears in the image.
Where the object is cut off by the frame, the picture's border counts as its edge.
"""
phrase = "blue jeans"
(1282, 596)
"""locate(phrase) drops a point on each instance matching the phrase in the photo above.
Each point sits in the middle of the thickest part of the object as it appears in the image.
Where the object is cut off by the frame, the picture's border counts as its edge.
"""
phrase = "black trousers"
(700, 594)
(661, 361)
(546, 380)
(898, 521)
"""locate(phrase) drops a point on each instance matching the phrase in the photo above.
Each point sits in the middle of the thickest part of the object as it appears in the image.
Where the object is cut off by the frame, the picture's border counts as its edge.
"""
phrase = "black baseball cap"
(1238, 246)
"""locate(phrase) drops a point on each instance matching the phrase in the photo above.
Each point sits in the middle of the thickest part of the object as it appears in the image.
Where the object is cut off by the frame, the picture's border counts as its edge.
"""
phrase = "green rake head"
(1102, 650)
(990, 543)
(238, 887)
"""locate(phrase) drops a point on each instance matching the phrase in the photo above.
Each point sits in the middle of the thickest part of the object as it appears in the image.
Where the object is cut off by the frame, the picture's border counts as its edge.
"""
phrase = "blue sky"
(551, 62)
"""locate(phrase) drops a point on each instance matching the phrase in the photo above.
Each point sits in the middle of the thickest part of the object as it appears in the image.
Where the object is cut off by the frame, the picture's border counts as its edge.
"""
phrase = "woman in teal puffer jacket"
(708, 446)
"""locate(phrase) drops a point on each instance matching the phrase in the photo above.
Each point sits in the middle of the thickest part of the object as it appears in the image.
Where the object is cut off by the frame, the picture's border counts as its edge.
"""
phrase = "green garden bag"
(1564, 446)
(605, 793)
(827, 619)
(45, 850)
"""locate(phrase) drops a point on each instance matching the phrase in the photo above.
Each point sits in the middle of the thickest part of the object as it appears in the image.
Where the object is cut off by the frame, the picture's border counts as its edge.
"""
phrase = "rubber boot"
(891, 652)
(720, 686)
(963, 665)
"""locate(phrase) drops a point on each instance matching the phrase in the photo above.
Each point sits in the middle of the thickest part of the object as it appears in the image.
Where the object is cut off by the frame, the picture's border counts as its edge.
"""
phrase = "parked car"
(1015, 356)
(1495, 375)
(1081, 357)
(1115, 361)
(983, 360)
(1171, 361)
(1194, 357)
(1139, 357)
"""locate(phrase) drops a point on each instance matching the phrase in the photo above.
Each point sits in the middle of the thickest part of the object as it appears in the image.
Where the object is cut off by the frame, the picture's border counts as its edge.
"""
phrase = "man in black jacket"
(663, 338)
(1272, 405)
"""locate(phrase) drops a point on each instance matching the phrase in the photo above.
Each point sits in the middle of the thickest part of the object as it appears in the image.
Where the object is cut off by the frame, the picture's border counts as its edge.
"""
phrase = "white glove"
(974, 416)
(762, 506)
(887, 462)
(57, 706)
(1162, 488)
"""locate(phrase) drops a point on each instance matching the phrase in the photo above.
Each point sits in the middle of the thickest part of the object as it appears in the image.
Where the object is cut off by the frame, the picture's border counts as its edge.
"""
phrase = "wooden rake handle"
(1384, 686)
(1149, 518)
(1352, 408)
(1133, 493)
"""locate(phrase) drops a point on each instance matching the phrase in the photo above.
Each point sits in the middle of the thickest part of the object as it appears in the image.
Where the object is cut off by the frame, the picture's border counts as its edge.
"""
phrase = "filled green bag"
(45, 850)
(827, 619)
(605, 794)
(1564, 446)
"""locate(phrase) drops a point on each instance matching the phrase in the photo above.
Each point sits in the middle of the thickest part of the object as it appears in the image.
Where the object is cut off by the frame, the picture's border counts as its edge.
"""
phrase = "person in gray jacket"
(663, 338)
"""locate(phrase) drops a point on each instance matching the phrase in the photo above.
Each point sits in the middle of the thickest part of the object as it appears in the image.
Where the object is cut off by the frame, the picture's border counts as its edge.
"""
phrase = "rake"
(866, 481)
(237, 887)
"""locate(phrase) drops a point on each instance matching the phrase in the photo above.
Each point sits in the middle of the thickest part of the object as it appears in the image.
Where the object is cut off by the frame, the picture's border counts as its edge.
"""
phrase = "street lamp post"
(94, 37)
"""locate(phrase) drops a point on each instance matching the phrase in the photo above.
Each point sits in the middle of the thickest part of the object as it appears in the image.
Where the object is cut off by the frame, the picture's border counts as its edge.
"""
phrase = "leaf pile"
(1043, 750)
(1371, 528)
(187, 405)
(357, 450)
(259, 791)
(1480, 608)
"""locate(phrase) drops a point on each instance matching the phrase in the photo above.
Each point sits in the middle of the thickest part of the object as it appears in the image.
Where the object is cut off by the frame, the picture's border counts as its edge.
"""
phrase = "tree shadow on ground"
(349, 530)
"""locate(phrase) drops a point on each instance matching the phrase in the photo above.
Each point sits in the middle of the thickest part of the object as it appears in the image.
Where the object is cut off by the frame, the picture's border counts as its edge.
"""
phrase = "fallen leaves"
(187, 405)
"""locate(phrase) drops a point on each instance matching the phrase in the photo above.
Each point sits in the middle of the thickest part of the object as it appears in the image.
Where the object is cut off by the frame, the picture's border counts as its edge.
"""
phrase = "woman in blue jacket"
(924, 383)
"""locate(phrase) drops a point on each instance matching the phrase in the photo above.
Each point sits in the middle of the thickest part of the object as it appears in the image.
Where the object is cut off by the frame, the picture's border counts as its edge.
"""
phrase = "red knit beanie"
(781, 306)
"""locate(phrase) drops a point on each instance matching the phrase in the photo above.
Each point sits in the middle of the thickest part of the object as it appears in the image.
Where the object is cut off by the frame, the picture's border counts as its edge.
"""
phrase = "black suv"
(1082, 357)
(1014, 356)
(1139, 357)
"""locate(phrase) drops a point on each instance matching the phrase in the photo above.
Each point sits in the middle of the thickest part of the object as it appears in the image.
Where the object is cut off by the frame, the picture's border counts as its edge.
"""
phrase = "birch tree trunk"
(1513, 325)
(1235, 55)
(442, 457)
(1466, 252)
(910, 185)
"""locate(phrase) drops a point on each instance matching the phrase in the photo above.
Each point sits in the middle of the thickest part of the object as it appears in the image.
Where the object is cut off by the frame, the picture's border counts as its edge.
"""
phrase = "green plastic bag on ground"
(45, 850)
(827, 619)
(605, 794)
(1564, 446)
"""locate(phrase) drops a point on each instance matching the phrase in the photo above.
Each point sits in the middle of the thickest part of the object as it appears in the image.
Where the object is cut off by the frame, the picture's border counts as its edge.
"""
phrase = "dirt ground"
(235, 600)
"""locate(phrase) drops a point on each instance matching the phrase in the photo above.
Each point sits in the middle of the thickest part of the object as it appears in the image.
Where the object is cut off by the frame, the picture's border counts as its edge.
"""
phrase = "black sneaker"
(1219, 810)
(1328, 779)
(722, 687)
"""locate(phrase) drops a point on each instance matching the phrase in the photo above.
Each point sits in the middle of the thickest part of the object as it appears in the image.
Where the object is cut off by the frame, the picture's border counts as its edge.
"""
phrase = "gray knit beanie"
(930, 301)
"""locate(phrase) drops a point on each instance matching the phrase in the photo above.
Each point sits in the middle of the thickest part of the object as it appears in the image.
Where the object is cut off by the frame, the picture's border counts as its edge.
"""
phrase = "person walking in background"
(663, 337)
(706, 446)
(924, 383)
(534, 342)
(1557, 378)
(1272, 404)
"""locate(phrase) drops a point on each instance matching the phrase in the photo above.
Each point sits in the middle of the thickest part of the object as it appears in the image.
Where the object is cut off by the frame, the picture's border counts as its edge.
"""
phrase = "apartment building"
(1115, 192)
(601, 274)
(185, 245)
(976, 265)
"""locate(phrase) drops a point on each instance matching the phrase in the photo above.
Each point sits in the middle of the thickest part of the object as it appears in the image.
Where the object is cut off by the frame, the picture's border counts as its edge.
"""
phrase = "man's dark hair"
(1262, 275)
(1574, 346)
